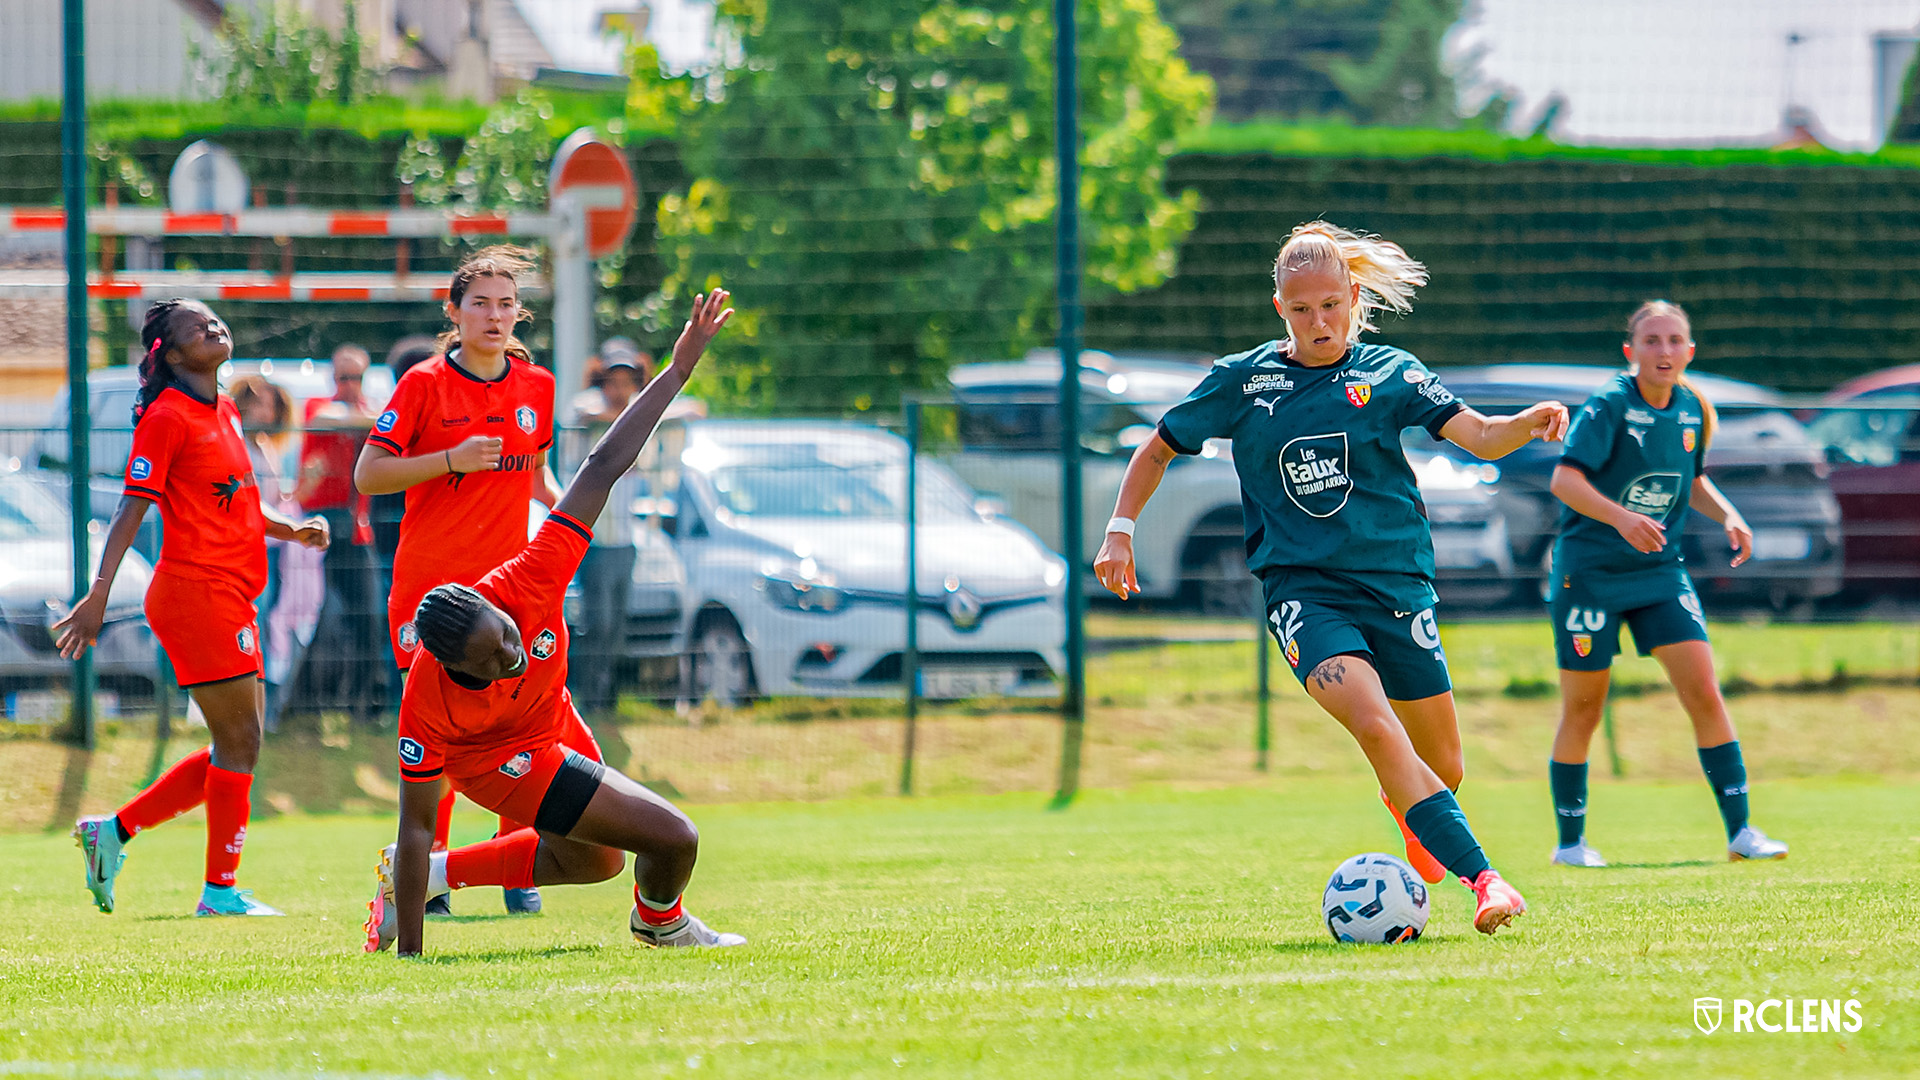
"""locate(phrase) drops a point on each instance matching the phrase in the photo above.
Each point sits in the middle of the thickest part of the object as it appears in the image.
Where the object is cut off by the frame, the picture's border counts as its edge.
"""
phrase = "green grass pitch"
(1153, 932)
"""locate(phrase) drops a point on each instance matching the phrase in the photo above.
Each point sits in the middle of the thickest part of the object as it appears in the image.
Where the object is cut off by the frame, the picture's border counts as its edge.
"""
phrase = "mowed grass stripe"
(1149, 933)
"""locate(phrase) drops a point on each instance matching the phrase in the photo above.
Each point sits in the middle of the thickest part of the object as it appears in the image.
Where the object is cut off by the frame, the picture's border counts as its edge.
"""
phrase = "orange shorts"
(516, 787)
(209, 628)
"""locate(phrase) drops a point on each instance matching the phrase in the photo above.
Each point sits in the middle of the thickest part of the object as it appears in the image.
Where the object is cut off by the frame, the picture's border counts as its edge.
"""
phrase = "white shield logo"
(1706, 1015)
(524, 417)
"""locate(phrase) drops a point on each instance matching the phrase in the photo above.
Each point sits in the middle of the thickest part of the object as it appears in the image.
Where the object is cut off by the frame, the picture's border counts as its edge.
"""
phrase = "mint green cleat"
(99, 840)
(227, 900)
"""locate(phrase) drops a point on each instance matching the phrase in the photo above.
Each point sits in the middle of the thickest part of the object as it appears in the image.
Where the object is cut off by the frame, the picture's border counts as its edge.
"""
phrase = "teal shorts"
(1402, 646)
(1586, 635)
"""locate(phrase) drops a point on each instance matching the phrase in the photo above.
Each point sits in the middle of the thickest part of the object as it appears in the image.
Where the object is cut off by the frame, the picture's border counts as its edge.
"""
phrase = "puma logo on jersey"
(1267, 405)
(1639, 436)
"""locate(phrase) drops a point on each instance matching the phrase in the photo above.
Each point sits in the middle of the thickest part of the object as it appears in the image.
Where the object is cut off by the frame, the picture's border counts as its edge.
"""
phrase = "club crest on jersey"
(140, 469)
(1582, 644)
(518, 764)
(1359, 394)
(411, 752)
(245, 640)
(543, 644)
(409, 637)
(524, 417)
(386, 421)
(1688, 441)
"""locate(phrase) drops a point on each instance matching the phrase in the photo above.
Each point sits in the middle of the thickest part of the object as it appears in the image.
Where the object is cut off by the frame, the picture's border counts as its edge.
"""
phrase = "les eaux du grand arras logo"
(1775, 1016)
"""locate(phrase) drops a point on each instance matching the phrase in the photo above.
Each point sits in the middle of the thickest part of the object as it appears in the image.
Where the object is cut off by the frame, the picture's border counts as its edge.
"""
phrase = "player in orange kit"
(189, 458)
(465, 437)
(487, 707)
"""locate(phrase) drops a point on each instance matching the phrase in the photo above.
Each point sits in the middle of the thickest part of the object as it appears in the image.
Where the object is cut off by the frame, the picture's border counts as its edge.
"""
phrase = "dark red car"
(1872, 437)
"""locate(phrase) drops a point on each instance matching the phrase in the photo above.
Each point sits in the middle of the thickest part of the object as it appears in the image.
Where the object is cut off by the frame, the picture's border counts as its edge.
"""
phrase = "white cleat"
(1751, 843)
(1577, 854)
(689, 931)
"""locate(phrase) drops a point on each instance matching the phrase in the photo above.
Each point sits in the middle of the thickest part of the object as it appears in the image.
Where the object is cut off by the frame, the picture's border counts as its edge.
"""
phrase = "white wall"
(135, 48)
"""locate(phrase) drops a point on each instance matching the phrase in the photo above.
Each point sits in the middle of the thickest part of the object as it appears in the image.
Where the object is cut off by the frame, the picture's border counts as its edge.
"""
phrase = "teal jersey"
(1646, 460)
(1325, 489)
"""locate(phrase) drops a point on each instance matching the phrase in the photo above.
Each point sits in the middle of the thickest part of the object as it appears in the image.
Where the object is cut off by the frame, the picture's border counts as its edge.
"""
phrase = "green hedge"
(1800, 269)
(317, 155)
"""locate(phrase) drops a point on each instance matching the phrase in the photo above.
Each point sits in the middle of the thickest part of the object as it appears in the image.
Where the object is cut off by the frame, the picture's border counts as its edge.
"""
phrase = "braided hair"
(155, 373)
(445, 620)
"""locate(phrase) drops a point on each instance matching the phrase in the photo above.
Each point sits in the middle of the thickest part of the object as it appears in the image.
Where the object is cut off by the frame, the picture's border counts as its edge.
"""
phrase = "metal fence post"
(1073, 703)
(1263, 697)
(910, 658)
(74, 168)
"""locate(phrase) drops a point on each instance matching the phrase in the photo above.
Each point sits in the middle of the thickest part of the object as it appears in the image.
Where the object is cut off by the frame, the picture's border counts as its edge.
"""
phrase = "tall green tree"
(876, 182)
(1374, 61)
(279, 55)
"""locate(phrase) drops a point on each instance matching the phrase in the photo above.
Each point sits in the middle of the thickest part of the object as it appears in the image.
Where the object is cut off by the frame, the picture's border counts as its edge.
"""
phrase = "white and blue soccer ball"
(1375, 899)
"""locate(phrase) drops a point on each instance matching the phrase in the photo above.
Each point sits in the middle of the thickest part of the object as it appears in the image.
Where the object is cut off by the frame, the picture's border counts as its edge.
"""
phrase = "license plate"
(1782, 543)
(957, 682)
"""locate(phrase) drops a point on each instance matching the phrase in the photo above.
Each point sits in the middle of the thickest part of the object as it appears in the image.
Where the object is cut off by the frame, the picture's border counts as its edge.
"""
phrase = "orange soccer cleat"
(1498, 903)
(1424, 863)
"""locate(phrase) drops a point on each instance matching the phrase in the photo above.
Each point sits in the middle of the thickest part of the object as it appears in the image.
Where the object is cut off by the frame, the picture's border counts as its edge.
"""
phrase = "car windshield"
(27, 512)
(796, 481)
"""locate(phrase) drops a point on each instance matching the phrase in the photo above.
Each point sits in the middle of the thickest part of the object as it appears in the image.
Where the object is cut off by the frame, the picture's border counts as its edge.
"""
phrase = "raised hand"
(1546, 421)
(710, 313)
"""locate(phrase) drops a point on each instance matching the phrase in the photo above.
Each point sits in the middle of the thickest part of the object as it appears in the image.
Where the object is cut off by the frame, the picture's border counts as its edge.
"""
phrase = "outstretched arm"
(1114, 565)
(79, 628)
(419, 800)
(1488, 437)
(620, 447)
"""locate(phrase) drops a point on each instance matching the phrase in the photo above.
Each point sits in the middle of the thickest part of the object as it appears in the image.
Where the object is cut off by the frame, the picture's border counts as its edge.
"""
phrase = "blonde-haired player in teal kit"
(1634, 464)
(1336, 531)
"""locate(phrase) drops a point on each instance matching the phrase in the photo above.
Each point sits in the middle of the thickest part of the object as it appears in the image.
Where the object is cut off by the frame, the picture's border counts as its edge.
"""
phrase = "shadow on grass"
(494, 956)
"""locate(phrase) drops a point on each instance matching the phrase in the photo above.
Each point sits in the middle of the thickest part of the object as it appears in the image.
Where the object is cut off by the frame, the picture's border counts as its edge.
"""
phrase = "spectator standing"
(608, 565)
(290, 604)
(336, 429)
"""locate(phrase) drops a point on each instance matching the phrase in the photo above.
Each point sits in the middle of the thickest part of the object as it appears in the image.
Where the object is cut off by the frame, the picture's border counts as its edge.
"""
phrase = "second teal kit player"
(1315, 537)
(1646, 460)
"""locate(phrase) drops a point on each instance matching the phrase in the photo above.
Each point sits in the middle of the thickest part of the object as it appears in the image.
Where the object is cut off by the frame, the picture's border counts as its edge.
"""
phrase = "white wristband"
(1122, 525)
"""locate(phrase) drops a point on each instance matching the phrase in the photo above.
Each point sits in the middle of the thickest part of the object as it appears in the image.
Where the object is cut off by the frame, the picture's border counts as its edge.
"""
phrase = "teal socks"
(1569, 783)
(1441, 827)
(1727, 772)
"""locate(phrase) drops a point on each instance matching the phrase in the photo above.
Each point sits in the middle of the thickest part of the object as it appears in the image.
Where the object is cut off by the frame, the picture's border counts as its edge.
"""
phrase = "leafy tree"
(1375, 61)
(876, 182)
(278, 55)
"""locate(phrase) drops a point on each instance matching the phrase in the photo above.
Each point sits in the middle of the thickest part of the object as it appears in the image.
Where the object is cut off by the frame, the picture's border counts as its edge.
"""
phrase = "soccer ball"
(1375, 899)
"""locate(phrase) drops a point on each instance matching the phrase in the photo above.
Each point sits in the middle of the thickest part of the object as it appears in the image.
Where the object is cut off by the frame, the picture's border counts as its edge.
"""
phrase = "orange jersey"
(189, 457)
(466, 733)
(457, 528)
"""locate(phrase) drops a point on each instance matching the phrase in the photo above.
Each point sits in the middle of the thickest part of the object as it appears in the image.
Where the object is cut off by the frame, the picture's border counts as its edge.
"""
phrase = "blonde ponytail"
(1709, 416)
(1386, 274)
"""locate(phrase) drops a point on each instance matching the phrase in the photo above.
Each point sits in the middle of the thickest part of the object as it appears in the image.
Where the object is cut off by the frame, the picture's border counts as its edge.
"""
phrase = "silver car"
(780, 547)
(36, 583)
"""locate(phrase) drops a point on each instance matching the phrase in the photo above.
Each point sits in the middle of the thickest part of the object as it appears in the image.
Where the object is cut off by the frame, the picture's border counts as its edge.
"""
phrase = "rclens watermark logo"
(1777, 1014)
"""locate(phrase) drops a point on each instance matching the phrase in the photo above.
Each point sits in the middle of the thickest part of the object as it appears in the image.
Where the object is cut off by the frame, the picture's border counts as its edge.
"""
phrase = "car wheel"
(720, 665)
(1226, 588)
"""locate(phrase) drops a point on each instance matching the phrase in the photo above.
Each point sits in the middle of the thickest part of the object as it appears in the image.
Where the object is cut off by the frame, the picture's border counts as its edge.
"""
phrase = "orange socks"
(179, 790)
(506, 861)
(228, 806)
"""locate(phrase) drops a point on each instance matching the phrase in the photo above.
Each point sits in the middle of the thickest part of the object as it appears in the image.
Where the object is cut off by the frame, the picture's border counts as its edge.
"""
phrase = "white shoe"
(1577, 854)
(690, 931)
(1751, 843)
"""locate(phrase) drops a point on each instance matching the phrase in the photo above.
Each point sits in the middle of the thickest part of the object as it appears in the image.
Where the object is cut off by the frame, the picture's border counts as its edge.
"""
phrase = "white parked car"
(777, 550)
(1191, 544)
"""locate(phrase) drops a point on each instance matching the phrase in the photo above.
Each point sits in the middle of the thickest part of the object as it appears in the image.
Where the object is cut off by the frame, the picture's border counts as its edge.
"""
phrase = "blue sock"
(1441, 827)
(1727, 772)
(1569, 783)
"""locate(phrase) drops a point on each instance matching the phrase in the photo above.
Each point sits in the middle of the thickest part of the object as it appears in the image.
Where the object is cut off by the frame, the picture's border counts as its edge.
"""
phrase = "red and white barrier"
(286, 221)
(241, 285)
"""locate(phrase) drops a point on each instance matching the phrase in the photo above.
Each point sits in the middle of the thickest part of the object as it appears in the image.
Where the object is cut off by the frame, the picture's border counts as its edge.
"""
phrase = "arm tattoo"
(1331, 670)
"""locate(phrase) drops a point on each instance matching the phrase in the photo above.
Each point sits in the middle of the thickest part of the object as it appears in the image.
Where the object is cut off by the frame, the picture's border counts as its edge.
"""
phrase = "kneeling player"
(488, 708)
